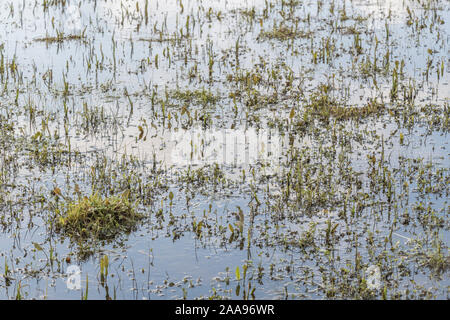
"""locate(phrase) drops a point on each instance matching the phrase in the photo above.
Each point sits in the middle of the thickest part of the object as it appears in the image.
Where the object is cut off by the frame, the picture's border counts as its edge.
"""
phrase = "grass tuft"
(324, 107)
(98, 218)
(284, 33)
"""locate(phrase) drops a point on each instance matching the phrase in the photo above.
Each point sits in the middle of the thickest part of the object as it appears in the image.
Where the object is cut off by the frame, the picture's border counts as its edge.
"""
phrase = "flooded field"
(224, 149)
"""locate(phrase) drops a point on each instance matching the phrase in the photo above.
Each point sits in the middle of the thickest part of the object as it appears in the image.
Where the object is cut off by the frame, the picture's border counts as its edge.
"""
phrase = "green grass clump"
(284, 33)
(203, 96)
(324, 107)
(98, 218)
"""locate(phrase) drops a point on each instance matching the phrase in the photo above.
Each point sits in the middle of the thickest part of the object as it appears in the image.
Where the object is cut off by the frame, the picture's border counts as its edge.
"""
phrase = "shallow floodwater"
(279, 149)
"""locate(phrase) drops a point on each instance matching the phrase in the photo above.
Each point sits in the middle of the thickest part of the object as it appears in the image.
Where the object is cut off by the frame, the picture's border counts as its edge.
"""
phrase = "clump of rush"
(98, 218)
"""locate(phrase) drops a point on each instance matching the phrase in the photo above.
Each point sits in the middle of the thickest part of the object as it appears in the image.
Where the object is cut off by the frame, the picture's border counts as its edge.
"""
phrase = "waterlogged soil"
(277, 149)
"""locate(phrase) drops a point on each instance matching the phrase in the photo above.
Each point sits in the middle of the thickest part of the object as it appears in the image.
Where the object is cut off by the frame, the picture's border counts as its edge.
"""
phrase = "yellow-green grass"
(98, 218)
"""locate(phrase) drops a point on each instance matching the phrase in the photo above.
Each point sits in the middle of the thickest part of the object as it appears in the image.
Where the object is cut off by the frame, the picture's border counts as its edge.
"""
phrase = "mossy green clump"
(98, 218)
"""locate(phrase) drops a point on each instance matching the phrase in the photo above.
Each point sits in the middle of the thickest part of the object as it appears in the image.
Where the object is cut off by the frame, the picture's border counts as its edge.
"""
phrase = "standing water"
(224, 149)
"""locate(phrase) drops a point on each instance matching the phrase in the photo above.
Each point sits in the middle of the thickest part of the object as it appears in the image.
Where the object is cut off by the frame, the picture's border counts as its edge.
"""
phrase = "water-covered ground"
(278, 149)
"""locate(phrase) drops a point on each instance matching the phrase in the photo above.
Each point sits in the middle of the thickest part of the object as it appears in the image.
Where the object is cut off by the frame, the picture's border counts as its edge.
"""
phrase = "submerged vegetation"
(324, 107)
(227, 149)
(61, 37)
(284, 33)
